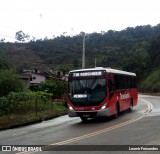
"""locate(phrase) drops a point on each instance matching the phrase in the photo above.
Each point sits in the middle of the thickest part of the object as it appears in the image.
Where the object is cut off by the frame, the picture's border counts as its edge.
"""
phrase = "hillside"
(21, 58)
(132, 49)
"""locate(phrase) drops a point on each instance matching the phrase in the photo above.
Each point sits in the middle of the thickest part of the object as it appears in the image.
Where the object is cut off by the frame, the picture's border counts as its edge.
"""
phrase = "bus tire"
(117, 110)
(84, 119)
(131, 106)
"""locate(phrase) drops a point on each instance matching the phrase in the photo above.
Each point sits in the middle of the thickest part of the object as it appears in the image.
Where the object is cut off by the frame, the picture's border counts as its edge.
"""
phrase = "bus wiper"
(92, 83)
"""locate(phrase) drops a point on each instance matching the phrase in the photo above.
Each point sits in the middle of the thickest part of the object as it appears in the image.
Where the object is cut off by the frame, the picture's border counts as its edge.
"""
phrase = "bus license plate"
(86, 115)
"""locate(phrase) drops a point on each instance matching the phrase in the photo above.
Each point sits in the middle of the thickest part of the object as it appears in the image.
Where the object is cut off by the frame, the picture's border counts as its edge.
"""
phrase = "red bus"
(99, 92)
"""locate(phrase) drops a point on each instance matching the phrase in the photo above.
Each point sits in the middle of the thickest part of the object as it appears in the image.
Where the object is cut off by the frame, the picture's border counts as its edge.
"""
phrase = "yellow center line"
(149, 109)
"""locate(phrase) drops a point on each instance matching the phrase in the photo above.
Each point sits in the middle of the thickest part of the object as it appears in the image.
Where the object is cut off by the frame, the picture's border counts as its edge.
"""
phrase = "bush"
(9, 82)
(22, 102)
(4, 103)
(56, 87)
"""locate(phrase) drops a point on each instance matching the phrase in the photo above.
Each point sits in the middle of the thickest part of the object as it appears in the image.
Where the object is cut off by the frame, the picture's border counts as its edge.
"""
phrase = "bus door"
(112, 98)
(111, 88)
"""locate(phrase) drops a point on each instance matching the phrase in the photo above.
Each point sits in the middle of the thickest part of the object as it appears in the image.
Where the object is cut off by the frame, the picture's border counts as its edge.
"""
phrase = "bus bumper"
(91, 114)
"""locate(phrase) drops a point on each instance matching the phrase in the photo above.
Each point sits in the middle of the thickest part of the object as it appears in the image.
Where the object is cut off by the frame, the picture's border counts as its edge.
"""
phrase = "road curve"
(140, 127)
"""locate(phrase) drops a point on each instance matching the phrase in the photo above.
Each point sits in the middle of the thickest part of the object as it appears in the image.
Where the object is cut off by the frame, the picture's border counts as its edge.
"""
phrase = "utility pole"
(83, 53)
(95, 62)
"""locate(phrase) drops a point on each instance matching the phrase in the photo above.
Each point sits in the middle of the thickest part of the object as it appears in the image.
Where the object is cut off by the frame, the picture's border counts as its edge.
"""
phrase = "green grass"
(17, 119)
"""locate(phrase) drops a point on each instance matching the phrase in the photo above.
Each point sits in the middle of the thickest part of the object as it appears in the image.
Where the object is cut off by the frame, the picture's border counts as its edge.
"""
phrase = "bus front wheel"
(84, 119)
(131, 106)
(117, 110)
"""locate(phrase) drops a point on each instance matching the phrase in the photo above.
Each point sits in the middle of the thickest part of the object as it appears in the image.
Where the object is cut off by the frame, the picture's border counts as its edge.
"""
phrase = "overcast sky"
(41, 18)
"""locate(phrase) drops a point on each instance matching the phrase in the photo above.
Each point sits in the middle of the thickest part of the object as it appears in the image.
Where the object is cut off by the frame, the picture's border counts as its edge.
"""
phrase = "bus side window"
(111, 88)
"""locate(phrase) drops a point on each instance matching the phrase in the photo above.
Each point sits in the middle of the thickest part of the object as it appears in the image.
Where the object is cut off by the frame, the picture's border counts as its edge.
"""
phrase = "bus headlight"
(104, 106)
(70, 107)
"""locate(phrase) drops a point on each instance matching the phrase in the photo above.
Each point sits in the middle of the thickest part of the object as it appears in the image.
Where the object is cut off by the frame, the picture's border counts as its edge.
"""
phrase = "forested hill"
(132, 49)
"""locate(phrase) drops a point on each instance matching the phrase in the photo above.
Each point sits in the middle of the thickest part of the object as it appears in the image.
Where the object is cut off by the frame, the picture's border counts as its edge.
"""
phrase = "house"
(58, 73)
(37, 78)
(32, 77)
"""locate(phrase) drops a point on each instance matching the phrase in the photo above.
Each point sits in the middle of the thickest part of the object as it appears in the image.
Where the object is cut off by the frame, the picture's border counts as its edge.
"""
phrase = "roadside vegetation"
(151, 83)
(19, 107)
(132, 49)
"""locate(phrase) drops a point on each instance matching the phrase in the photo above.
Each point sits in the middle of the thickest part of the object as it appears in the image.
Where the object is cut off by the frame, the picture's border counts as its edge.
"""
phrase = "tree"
(56, 87)
(154, 52)
(2, 40)
(4, 64)
(21, 36)
(33, 39)
(9, 82)
(75, 63)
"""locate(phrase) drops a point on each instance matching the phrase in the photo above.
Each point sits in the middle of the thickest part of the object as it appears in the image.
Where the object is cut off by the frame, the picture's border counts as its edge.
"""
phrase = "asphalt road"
(139, 128)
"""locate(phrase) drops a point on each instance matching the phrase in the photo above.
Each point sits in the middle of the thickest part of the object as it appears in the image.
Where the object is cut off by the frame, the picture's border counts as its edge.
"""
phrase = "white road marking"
(19, 133)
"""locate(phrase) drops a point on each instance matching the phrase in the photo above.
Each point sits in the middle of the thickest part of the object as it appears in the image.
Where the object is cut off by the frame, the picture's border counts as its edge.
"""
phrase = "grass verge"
(17, 120)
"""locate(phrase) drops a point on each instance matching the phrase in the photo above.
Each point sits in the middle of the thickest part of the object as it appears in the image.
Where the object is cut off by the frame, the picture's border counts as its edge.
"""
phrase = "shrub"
(24, 102)
(56, 87)
(9, 82)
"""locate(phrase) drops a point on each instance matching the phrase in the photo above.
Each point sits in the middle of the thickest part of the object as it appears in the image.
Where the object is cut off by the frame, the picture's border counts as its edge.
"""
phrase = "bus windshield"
(90, 91)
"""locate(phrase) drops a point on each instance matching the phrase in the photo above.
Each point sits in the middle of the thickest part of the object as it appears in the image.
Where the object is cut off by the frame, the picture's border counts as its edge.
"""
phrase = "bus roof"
(109, 70)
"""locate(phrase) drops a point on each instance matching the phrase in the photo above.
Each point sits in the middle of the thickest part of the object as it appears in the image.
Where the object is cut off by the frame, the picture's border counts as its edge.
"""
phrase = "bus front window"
(87, 91)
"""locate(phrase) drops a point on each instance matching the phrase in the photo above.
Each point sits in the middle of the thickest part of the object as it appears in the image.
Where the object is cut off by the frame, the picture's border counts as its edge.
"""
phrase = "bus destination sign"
(89, 73)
